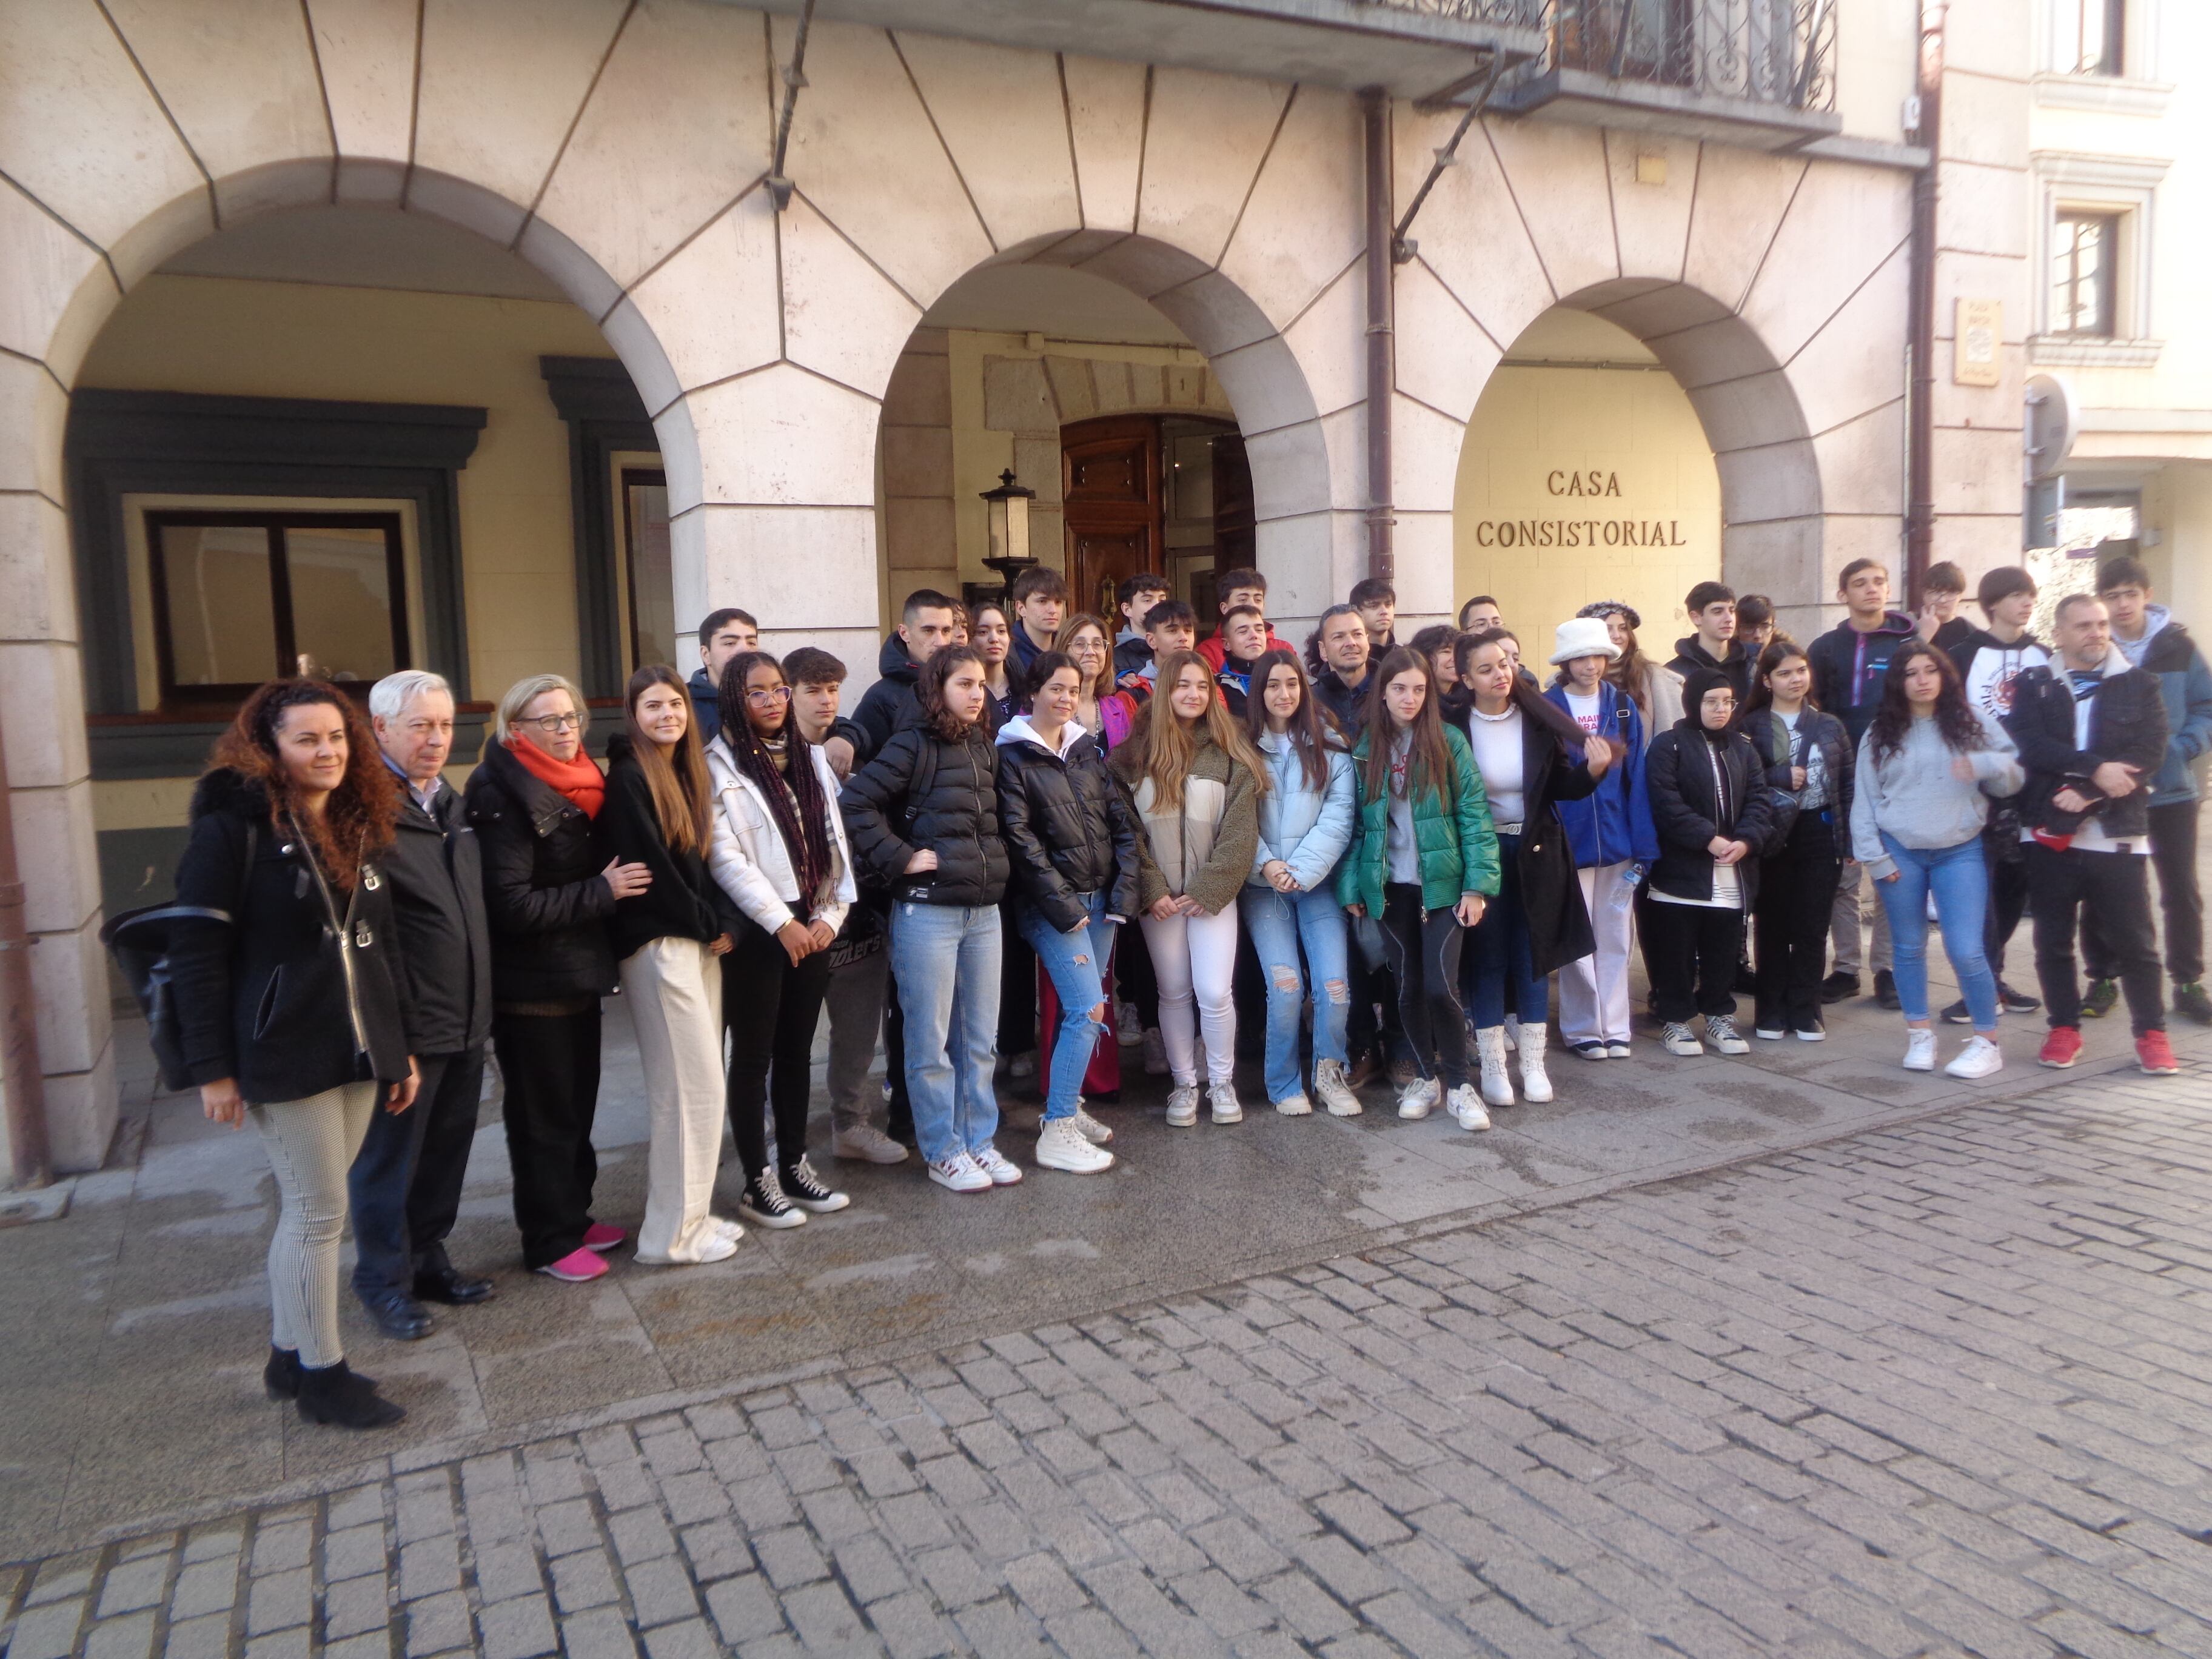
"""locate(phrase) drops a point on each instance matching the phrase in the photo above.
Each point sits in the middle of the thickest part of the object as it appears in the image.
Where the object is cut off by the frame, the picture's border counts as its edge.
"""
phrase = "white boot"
(1497, 1085)
(1534, 1085)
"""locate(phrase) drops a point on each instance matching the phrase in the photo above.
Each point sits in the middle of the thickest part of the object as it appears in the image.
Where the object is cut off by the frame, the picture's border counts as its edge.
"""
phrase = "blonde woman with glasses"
(549, 896)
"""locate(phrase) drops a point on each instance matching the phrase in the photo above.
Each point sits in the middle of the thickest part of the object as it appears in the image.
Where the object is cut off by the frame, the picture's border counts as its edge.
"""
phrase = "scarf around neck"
(579, 779)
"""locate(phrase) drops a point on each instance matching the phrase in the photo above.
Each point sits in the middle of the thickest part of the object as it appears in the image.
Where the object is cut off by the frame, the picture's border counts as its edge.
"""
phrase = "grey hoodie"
(1913, 796)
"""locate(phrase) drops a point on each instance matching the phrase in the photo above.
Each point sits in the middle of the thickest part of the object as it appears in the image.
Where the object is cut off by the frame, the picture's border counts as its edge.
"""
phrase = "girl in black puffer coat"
(1073, 837)
(289, 1004)
(923, 820)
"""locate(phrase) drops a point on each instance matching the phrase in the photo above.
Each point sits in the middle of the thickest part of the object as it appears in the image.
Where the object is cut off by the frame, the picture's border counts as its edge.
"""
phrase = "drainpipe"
(1920, 428)
(1382, 371)
(24, 1079)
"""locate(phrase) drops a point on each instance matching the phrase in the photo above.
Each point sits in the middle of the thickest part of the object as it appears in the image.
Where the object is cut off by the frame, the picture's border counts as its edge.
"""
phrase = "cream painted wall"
(296, 340)
(1533, 431)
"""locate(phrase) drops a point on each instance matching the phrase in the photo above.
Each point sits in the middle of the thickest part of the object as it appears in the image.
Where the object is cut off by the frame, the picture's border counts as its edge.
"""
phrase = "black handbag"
(139, 942)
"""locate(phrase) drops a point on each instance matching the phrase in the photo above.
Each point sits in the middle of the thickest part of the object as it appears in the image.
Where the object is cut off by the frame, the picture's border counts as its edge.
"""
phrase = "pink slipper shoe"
(578, 1266)
(602, 1236)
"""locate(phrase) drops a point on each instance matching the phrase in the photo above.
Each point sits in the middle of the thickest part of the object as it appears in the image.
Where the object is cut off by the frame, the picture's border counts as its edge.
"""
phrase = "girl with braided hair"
(779, 853)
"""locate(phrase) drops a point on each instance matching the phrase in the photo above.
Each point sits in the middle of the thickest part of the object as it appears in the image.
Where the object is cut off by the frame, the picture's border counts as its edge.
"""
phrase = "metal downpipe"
(1381, 355)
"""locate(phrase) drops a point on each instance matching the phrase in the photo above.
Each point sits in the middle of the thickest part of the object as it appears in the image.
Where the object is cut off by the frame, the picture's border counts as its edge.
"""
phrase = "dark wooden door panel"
(1111, 504)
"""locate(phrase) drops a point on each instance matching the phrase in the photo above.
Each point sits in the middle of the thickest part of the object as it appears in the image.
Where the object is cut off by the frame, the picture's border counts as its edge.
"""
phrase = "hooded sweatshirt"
(2166, 653)
(1848, 667)
(1736, 665)
(1912, 797)
(1990, 669)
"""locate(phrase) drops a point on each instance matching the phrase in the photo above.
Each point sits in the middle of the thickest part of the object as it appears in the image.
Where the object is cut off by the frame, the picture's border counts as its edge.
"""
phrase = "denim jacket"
(1306, 828)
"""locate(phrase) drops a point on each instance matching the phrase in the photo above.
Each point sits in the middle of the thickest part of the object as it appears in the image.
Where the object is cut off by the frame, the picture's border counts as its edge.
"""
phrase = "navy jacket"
(1848, 667)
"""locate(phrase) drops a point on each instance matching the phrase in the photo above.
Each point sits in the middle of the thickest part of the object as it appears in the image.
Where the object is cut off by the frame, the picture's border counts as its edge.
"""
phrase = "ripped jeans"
(1077, 962)
(1278, 924)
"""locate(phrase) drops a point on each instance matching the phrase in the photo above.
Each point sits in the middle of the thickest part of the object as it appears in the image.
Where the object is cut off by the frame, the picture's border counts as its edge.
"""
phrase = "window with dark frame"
(648, 567)
(2091, 37)
(2083, 258)
(240, 597)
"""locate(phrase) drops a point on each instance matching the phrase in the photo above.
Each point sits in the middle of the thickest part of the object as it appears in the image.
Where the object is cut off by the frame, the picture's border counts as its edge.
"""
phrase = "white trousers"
(674, 989)
(311, 1145)
(1194, 960)
(1594, 991)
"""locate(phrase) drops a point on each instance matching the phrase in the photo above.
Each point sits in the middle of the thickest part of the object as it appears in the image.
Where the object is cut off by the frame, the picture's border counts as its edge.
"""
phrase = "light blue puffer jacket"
(1306, 828)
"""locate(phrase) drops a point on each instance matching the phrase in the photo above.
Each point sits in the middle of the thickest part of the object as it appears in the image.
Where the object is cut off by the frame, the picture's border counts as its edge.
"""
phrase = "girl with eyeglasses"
(779, 853)
(550, 891)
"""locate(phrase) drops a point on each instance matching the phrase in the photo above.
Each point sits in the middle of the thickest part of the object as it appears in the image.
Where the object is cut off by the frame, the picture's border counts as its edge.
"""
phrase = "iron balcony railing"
(1779, 53)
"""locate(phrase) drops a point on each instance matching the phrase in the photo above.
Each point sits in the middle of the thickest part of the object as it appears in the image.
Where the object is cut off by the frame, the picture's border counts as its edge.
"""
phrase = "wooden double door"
(1117, 506)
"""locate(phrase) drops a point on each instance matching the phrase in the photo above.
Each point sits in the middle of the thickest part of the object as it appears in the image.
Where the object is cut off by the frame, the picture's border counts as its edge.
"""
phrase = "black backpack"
(139, 942)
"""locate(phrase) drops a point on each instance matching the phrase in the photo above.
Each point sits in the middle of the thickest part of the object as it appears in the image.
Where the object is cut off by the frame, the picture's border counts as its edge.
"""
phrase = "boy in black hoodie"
(1714, 645)
(926, 627)
(1850, 663)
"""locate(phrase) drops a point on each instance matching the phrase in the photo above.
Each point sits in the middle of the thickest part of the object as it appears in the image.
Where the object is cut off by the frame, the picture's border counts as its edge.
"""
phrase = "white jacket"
(748, 857)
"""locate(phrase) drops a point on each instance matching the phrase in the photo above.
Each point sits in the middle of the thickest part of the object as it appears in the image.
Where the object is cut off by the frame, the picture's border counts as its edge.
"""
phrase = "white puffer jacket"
(748, 857)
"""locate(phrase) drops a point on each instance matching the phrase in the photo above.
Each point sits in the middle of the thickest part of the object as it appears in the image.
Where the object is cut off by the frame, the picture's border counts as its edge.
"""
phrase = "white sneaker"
(1418, 1098)
(1619, 1050)
(1468, 1109)
(1061, 1146)
(1768, 1033)
(1156, 1055)
(865, 1143)
(1681, 1040)
(1295, 1106)
(1979, 1058)
(960, 1173)
(1335, 1092)
(1920, 1049)
(1001, 1170)
(1721, 1028)
(1090, 1127)
(1182, 1107)
(1128, 1026)
(1221, 1100)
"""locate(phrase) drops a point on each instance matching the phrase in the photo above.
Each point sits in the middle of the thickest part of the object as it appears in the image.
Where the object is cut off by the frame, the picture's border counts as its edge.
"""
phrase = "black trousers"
(2115, 888)
(405, 1188)
(551, 1065)
(1796, 891)
(2173, 850)
(771, 1005)
(1017, 991)
(2006, 861)
(1692, 950)
(1424, 950)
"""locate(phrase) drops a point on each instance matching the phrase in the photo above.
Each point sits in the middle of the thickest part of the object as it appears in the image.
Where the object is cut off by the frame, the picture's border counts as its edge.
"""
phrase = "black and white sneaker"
(805, 1189)
(763, 1204)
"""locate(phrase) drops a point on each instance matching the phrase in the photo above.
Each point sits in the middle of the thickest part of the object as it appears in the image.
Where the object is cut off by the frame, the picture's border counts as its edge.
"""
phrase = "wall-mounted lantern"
(1008, 510)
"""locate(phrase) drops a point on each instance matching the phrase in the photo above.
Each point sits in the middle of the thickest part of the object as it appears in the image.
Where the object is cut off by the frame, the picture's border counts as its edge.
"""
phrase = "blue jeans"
(1497, 958)
(1279, 923)
(1077, 962)
(947, 960)
(1961, 882)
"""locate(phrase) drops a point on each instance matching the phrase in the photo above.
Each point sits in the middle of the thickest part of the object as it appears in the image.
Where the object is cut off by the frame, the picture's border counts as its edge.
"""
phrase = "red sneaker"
(2062, 1048)
(603, 1237)
(577, 1268)
(2154, 1055)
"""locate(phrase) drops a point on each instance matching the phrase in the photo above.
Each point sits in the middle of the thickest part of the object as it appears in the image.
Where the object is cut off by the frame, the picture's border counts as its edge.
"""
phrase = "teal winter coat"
(1457, 846)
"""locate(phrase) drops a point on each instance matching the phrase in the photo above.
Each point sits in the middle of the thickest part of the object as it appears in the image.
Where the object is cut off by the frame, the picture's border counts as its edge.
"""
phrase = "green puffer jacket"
(1458, 848)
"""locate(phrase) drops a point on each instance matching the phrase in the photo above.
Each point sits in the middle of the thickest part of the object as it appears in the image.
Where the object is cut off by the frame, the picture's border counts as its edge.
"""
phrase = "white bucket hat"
(1583, 636)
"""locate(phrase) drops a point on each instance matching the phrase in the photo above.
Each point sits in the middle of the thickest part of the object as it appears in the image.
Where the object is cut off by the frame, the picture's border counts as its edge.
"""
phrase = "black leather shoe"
(398, 1315)
(1885, 990)
(450, 1288)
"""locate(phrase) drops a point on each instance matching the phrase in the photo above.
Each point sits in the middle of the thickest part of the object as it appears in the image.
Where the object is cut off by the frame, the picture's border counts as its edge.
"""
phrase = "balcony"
(1759, 73)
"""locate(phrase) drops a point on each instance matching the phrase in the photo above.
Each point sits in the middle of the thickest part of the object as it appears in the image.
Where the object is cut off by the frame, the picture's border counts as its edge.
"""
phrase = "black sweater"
(299, 992)
(685, 900)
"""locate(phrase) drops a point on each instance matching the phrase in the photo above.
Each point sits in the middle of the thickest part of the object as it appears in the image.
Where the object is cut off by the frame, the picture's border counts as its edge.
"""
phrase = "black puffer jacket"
(549, 907)
(445, 939)
(684, 900)
(1069, 829)
(1687, 812)
(300, 991)
(922, 791)
(890, 704)
(2127, 723)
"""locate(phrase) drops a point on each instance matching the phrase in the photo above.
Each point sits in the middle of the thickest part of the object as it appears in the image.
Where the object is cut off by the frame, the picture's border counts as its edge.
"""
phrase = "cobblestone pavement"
(1938, 1389)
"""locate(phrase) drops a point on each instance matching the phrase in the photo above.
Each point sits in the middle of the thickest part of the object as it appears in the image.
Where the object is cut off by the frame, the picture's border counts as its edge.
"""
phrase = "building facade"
(496, 336)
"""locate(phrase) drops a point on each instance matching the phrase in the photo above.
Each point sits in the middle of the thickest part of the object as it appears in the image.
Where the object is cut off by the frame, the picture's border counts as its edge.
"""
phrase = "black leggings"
(771, 1007)
(1424, 947)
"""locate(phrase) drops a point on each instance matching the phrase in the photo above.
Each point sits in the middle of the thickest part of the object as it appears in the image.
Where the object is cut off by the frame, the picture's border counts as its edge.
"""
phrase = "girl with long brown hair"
(1423, 861)
(1196, 779)
(780, 855)
(290, 1010)
(667, 940)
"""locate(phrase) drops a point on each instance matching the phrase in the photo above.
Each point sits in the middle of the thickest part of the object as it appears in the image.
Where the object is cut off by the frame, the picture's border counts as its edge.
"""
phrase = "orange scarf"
(579, 779)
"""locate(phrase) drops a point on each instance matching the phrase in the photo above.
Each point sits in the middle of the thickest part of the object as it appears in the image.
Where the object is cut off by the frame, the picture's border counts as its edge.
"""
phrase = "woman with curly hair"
(290, 1001)
(1927, 771)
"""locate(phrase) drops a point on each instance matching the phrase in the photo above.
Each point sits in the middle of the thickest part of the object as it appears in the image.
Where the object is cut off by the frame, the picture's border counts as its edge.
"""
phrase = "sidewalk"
(135, 1326)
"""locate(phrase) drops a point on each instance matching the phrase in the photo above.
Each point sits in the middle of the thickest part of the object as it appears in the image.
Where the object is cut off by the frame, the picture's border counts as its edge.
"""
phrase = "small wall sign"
(1978, 331)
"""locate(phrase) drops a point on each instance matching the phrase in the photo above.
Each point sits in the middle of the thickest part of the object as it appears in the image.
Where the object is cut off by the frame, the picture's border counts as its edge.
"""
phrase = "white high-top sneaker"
(1534, 1085)
(1061, 1146)
(1497, 1085)
(1335, 1092)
